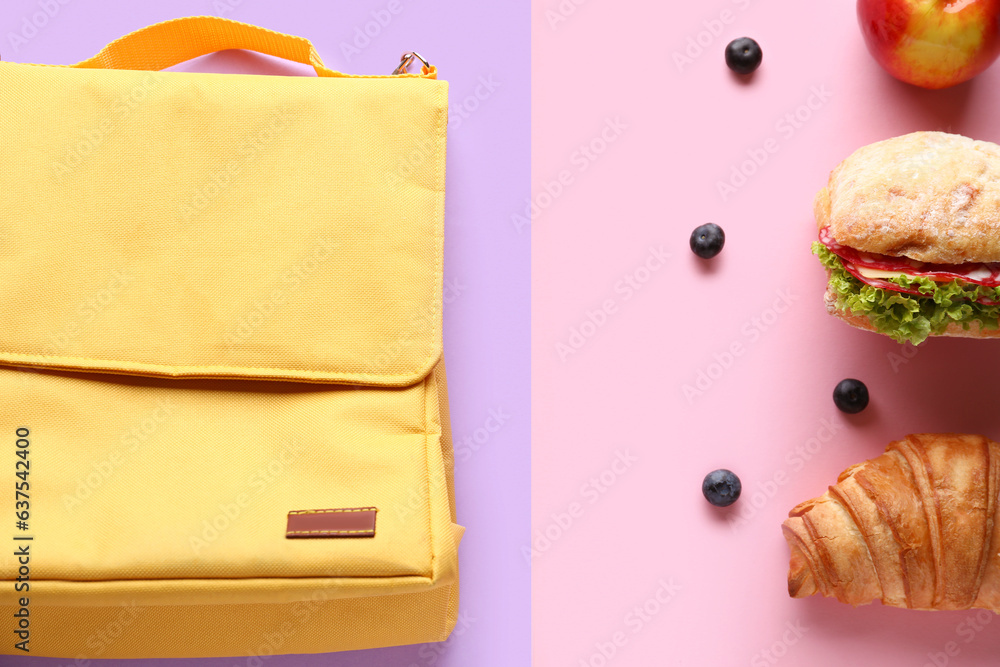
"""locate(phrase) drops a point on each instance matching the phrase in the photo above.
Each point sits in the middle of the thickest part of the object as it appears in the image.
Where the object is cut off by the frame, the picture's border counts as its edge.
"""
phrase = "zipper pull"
(406, 59)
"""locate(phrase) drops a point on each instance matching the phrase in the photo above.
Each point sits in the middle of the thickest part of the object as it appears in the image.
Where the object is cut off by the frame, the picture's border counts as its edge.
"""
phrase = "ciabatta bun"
(930, 196)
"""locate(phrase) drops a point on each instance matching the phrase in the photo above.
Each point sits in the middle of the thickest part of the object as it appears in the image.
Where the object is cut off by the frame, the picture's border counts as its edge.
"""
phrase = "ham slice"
(972, 272)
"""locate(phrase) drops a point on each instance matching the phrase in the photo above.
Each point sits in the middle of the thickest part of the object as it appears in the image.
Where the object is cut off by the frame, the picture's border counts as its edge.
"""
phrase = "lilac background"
(486, 325)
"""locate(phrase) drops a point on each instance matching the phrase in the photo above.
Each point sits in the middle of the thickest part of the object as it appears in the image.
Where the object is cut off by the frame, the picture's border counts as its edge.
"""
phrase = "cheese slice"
(888, 275)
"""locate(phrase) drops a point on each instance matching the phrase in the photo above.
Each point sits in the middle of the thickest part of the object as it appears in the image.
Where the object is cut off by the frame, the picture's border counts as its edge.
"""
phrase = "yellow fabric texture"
(222, 303)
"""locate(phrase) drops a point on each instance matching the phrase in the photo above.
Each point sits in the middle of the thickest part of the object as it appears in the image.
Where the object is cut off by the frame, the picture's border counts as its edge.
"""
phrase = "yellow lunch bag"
(224, 425)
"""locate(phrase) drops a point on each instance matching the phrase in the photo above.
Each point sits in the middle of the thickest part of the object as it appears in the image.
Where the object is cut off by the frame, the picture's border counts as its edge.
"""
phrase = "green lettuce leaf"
(907, 317)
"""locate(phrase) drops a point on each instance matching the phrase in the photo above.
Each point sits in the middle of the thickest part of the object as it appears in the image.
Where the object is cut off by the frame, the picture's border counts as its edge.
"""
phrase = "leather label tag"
(343, 522)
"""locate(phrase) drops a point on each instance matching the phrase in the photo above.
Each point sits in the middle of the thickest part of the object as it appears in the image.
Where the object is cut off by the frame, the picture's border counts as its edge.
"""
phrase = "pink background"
(612, 542)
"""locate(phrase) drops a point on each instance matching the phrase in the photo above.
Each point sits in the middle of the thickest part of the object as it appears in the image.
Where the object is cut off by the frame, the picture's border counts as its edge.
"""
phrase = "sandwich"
(909, 232)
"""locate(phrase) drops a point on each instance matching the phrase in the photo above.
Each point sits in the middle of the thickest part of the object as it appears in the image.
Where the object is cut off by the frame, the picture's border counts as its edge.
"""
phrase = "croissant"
(915, 527)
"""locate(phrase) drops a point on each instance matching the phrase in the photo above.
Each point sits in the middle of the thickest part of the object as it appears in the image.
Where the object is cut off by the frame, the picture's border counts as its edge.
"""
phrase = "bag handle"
(169, 43)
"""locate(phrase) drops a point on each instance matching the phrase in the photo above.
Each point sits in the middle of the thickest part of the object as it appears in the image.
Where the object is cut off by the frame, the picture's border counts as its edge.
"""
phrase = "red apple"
(932, 43)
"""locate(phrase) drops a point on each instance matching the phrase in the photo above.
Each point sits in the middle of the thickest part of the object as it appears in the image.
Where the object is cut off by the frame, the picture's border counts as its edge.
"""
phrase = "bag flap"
(207, 225)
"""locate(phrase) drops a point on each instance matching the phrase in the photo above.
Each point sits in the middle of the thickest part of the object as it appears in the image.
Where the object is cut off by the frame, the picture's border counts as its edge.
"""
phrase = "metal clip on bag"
(221, 372)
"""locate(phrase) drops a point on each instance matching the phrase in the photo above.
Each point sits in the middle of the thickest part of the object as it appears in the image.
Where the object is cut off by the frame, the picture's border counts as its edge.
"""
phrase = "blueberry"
(707, 240)
(743, 55)
(851, 396)
(721, 488)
